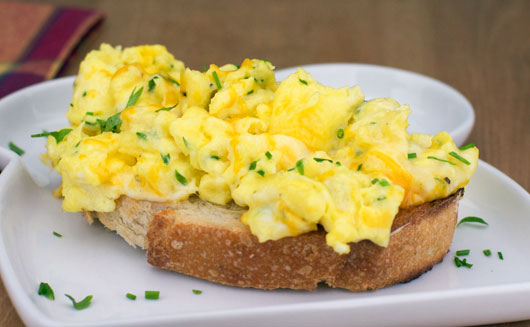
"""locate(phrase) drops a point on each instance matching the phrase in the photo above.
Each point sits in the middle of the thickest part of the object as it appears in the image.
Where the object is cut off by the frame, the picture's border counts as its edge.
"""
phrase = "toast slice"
(208, 241)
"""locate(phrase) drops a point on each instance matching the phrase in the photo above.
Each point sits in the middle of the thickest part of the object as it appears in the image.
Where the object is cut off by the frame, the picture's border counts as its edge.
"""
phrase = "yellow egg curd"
(297, 154)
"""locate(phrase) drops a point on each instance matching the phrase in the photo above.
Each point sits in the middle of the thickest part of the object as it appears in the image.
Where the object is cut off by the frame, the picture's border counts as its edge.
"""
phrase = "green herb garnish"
(84, 94)
(442, 160)
(302, 81)
(467, 146)
(133, 98)
(500, 255)
(131, 296)
(166, 108)
(216, 79)
(58, 135)
(141, 135)
(252, 165)
(472, 219)
(83, 304)
(182, 180)
(412, 155)
(15, 149)
(337, 163)
(198, 292)
(375, 180)
(186, 144)
(384, 183)
(459, 263)
(462, 252)
(46, 290)
(457, 156)
(151, 85)
(269, 155)
(300, 166)
(57, 234)
(152, 295)
(165, 158)
(112, 124)
(215, 157)
(89, 123)
(359, 167)
(89, 113)
(381, 198)
(261, 172)
(487, 252)
(322, 159)
(250, 92)
(340, 133)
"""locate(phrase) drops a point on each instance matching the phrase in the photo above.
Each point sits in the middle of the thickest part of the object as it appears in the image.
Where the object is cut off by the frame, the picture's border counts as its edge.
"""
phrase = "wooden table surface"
(482, 48)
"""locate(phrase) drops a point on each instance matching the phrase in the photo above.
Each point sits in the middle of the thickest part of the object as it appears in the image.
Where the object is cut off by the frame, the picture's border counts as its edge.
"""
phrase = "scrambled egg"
(298, 154)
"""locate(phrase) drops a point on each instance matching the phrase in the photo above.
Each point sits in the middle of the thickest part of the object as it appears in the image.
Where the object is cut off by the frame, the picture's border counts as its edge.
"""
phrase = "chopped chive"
(442, 160)
(381, 198)
(152, 295)
(84, 94)
(215, 157)
(16, 149)
(337, 163)
(83, 304)
(58, 135)
(412, 155)
(461, 253)
(300, 166)
(131, 296)
(216, 79)
(89, 113)
(459, 263)
(77, 144)
(487, 252)
(322, 159)
(182, 180)
(169, 79)
(166, 108)
(384, 183)
(340, 133)
(302, 81)
(253, 165)
(472, 219)
(151, 85)
(57, 234)
(141, 135)
(269, 155)
(250, 92)
(186, 144)
(46, 290)
(359, 167)
(500, 255)
(290, 169)
(375, 180)
(467, 146)
(165, 158)
(457, 156)
(261, 172)
(198, 292)
(133, 98)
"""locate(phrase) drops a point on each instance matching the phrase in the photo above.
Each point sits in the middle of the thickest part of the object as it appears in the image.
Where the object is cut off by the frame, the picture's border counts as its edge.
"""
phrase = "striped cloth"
(36, 40)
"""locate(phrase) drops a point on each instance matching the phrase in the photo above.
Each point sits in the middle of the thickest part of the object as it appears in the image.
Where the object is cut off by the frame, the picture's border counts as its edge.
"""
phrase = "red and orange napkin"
(37, 39)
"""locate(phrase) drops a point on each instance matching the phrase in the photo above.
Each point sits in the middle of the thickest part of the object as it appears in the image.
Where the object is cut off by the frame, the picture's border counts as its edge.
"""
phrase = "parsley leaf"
(46, 290)
(133, 98)
(58, 135)
(83, 304)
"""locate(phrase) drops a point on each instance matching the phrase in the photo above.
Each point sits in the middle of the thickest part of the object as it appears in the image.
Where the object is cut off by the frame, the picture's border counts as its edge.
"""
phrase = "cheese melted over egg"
(298, 154)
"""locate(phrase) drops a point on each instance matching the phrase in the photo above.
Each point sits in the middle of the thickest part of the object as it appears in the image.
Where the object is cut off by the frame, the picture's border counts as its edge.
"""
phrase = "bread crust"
(207, 241)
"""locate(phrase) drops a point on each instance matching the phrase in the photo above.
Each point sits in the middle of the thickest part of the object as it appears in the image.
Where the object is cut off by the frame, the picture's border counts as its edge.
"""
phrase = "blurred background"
(480, 47)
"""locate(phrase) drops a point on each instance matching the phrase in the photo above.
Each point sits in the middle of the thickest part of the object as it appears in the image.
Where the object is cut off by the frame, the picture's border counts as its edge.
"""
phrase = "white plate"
(435, 105)
(89, 260)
